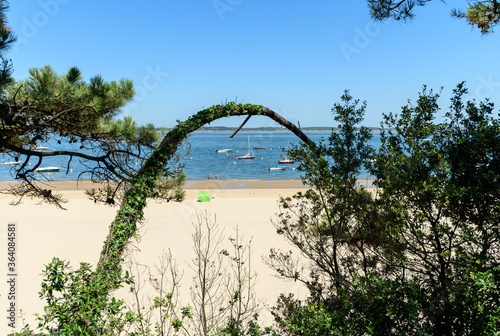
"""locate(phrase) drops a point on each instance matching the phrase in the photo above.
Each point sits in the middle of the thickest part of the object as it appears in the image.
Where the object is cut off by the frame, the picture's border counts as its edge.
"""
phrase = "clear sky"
(295, 57)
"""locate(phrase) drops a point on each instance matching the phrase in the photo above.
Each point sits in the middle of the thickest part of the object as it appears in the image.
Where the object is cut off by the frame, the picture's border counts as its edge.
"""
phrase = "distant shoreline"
(214, 129)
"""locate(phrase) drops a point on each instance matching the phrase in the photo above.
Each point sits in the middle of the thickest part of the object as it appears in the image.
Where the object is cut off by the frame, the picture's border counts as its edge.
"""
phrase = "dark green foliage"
(440, 181)
(371, 306)
(472, 133)
(427, 262)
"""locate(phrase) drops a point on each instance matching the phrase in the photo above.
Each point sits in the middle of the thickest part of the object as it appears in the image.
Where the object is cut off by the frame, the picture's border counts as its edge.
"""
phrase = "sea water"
(199, 157)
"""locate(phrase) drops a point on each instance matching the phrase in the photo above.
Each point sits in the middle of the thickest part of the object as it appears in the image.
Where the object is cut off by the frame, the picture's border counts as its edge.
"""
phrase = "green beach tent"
(204, 196)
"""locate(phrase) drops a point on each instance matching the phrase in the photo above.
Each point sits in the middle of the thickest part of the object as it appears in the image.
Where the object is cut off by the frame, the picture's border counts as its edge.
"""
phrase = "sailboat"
(248, 156)
(286, 159)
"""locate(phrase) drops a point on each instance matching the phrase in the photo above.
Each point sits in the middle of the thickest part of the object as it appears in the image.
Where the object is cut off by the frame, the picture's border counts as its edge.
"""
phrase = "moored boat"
(286, 161)
(245, 157)
(48, 169)
(225, 150)
(276, 168)
(11, 163)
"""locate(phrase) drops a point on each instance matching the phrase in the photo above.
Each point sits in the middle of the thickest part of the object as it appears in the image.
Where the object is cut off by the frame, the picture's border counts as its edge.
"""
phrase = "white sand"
(77, 235)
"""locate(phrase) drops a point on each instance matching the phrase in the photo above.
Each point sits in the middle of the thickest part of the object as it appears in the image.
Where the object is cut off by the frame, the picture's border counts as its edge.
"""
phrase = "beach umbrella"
(204, 196)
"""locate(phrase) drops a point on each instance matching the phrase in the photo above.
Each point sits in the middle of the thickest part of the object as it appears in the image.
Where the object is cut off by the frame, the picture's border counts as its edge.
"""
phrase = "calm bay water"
(202, 159)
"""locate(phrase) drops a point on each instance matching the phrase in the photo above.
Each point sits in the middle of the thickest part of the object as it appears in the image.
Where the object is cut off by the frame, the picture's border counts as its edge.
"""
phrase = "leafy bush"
(421, 258)
(75, 301)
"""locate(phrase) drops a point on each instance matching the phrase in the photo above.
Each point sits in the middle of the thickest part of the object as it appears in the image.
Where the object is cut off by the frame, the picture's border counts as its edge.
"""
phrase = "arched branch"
(142, 185)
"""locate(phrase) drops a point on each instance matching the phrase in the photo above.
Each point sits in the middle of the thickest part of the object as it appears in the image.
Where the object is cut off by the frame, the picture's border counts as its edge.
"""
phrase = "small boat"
(259, 148)
(248, 156)
(225, 150)
(48, 169)
(245, 157)
(276, 168)
(11, 163)
(285, 159)
(41, 148)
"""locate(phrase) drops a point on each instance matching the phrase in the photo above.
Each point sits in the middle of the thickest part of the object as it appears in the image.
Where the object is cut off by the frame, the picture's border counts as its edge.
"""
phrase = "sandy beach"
(77, 234)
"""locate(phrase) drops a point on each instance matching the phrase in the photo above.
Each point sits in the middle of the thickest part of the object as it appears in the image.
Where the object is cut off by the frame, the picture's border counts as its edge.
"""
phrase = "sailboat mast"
(250, 151)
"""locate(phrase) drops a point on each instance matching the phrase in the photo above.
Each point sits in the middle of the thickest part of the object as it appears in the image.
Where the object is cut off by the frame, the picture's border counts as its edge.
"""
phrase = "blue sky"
(295, 57)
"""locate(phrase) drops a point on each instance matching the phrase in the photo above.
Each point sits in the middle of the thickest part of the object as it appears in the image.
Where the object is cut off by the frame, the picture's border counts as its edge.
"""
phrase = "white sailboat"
(248, 156)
